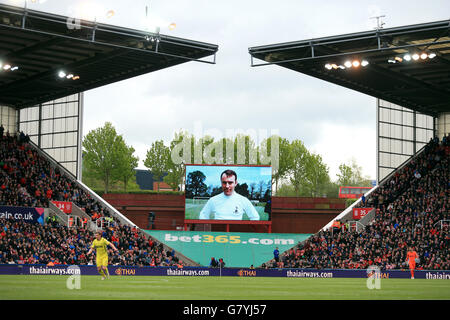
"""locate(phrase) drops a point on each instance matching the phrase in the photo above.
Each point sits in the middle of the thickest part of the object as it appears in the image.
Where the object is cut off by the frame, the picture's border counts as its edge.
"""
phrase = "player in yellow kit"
(100, 245)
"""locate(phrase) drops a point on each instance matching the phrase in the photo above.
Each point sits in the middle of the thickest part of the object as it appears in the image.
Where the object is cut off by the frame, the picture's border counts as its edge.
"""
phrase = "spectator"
(276, 254)
(409, 209)
(151, 219)
(213, 263)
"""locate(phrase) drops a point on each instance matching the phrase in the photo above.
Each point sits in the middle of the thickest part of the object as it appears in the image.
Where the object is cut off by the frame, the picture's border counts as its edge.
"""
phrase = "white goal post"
(198, 200)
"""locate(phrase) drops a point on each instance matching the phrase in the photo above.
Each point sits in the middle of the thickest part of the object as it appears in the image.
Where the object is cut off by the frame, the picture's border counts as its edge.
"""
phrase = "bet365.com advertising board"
(240, 250)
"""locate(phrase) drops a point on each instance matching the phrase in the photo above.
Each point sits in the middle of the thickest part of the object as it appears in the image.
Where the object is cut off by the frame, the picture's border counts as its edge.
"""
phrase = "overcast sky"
(336, 122)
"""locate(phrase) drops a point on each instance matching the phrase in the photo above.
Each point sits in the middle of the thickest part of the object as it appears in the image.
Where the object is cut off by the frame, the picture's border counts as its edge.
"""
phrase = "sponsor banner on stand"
(359, 213)
(27, 214)
(125, 271)
(64, 206)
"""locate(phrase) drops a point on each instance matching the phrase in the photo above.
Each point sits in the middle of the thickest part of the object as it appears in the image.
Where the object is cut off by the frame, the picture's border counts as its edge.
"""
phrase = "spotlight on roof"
(364, 63)
(415, 56)
(110, 14)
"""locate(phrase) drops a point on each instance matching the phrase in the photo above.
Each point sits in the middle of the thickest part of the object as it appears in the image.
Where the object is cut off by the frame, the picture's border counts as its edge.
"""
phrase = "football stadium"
(222, 231)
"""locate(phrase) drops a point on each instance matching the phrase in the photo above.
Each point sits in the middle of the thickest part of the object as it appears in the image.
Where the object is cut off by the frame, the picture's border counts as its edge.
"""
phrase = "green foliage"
(106, 156)
(195, 185)
(157, 159)
(296, 170)
(177, 158)
(351, 175)
(127, 163)
(349, 202)
(284, 157)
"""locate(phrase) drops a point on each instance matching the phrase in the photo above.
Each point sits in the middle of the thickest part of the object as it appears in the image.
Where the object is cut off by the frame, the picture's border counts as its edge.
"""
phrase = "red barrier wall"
(289, 214)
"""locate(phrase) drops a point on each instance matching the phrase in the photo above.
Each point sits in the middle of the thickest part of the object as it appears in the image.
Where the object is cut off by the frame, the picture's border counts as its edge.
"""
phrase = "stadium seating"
(412, 209)
(26, 243)
(27, 179)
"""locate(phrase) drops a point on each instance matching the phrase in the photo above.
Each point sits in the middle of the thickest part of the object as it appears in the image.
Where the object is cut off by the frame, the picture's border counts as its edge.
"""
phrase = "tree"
(128, 162)
(102, 154)
(180, 150)
(285, 160)
(242, 189)
(351, 175)
(345, 175)
(156, 160)
(195, 185)
(317, 176)
(297, 172)
(174, 176)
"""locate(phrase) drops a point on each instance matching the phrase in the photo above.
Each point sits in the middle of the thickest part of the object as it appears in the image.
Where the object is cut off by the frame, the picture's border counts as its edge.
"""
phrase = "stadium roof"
(422, 85)
(35, 46)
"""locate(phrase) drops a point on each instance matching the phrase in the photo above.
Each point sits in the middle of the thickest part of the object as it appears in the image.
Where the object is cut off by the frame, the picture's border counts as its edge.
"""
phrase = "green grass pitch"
(33, 287)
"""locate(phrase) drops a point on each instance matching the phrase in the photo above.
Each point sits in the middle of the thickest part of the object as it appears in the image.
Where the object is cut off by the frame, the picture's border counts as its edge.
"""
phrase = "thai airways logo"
(125, 272)
(246, 273)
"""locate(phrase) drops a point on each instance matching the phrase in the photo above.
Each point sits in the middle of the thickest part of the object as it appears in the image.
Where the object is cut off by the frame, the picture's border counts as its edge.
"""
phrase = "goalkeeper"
(100, 245)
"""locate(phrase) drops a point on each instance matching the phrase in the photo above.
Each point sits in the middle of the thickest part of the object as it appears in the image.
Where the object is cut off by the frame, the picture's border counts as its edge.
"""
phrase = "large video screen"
(228, 192)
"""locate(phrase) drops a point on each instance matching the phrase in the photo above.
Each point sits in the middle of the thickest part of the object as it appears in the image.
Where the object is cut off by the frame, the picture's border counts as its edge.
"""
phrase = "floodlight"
(61, 74)
(172, 26)
(423, 56)
(14, 68)
(356, 63)
(110, 14)
(328, 66)
(6, 67)
(69, 76)
(407, 57)
(348, 64)
(415, 56)
(432, 55)
(364, 63)
(398, 59)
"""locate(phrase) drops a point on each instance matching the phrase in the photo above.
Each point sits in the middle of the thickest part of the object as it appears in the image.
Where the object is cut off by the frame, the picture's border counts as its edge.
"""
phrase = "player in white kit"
(228, 205)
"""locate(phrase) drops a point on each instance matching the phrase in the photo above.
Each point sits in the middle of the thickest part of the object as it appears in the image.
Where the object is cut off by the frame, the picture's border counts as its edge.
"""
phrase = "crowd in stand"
(27, 243)
(27, 179)
(412, 209)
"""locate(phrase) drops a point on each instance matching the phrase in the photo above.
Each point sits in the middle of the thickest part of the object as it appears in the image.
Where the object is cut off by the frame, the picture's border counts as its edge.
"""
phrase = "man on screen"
(228, 205)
